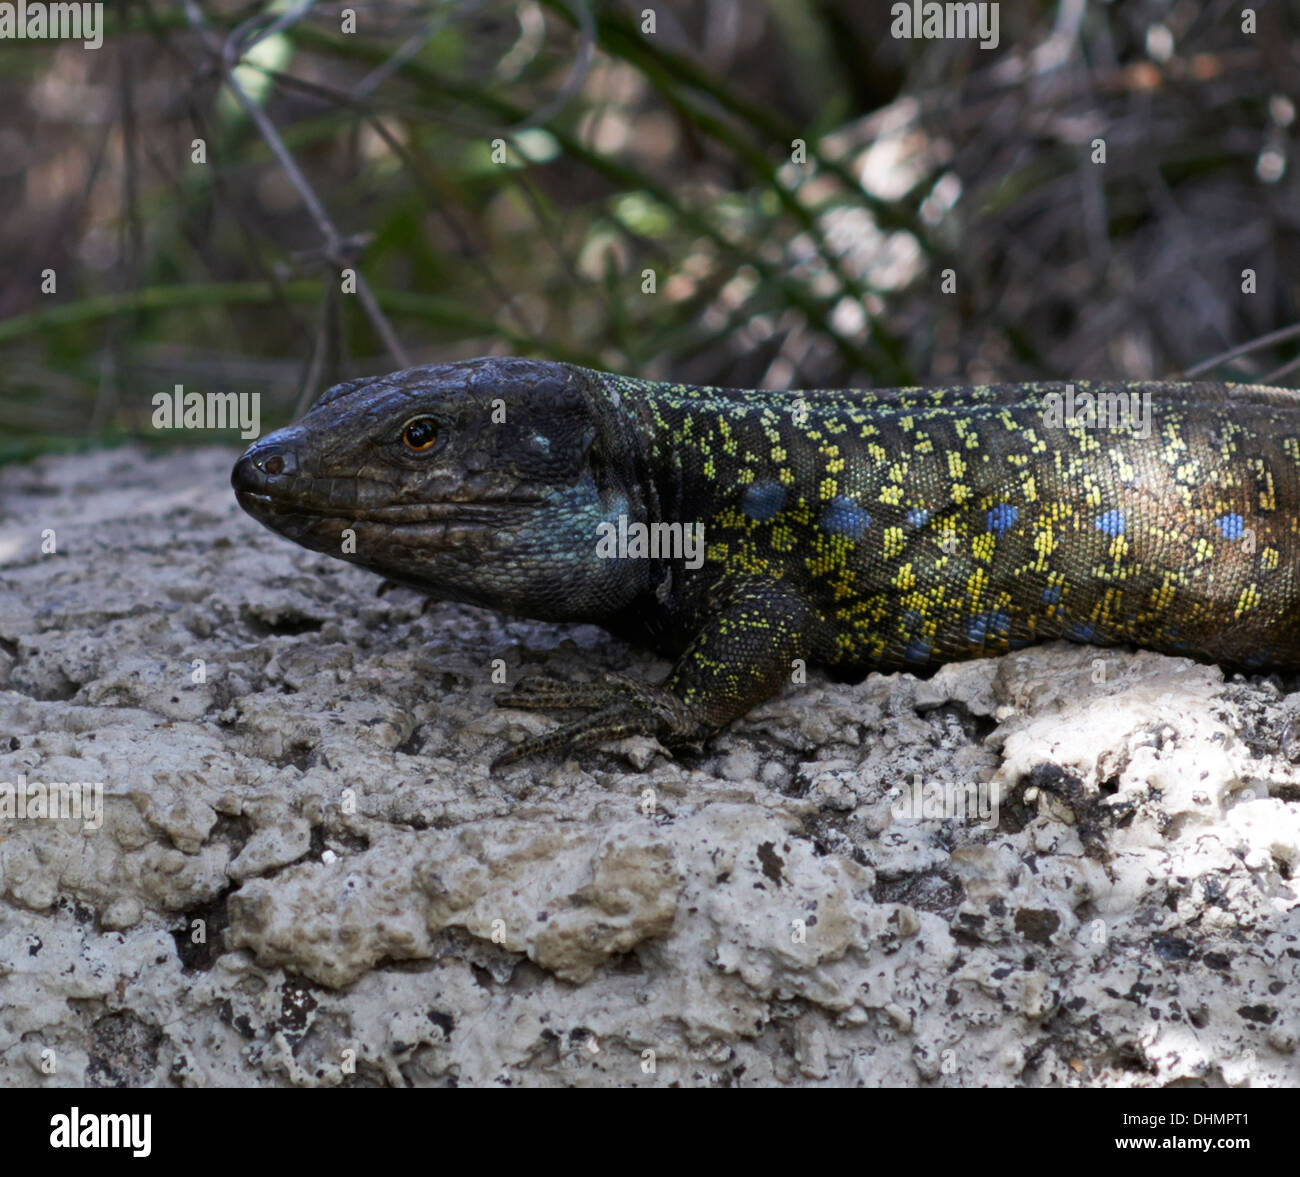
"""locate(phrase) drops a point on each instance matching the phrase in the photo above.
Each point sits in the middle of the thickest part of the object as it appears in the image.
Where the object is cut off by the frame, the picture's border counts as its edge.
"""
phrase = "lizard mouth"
(261, 505)
(400, 540)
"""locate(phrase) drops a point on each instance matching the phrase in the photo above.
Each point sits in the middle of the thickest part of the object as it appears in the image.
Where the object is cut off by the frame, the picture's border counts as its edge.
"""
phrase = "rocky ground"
(305, 874)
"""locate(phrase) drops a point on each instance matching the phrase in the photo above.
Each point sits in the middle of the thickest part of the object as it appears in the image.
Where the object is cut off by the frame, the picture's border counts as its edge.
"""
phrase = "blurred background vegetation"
(620, 152)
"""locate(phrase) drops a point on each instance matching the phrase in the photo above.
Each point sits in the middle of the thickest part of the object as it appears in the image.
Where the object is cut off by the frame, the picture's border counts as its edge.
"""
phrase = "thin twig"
(1284, 370)
(333, 240)
(315, 365)
(1268, 340)
(408, 49)
(577, 75)
(240, 42)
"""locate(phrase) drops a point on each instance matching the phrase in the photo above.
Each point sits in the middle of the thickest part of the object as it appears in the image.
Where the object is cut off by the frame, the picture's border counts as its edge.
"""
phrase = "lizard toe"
(610, 724)
(539, 693)
(636, 710)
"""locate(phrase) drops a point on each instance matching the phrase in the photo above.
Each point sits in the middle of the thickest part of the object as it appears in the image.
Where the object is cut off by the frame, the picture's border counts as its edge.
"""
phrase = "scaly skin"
(865, 530)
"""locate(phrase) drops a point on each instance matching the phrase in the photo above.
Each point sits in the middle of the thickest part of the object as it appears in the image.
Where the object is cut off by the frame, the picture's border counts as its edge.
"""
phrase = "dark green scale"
(860, 529)
(929, 525)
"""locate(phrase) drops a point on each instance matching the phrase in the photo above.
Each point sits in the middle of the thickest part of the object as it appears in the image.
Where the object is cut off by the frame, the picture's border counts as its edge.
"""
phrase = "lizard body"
(860, 529)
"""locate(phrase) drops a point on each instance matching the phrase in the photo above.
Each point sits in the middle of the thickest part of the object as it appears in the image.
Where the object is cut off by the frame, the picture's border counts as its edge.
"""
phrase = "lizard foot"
(618, 708)
(386, 586)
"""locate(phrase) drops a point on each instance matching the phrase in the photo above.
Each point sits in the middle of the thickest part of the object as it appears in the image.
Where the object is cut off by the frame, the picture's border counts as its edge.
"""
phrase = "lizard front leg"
(740, 658)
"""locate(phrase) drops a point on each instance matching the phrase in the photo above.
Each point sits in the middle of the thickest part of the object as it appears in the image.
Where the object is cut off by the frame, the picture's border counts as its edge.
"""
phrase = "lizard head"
(482, 481)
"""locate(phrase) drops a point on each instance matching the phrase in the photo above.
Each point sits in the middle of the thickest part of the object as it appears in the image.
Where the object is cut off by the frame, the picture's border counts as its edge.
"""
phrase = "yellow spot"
(893, 542)
(1267, 501)
(1162, 597)
(1248, 600)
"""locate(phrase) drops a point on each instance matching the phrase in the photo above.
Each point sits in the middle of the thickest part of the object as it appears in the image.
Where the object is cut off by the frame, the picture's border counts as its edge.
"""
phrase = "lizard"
(860, 530)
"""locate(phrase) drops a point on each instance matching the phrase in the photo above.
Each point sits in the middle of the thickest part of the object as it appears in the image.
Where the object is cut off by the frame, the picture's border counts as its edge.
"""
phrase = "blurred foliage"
(793, 179)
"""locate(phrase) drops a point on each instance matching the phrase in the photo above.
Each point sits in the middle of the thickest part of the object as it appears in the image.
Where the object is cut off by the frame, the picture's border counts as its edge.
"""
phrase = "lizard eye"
(420, 434)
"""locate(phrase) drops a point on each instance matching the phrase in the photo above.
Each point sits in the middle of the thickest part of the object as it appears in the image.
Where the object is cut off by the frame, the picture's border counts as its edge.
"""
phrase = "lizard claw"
(539, 693)
(571, 737)
(619, 708)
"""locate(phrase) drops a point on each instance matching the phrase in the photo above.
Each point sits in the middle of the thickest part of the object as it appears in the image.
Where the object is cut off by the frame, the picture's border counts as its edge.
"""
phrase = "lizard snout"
(266, 463)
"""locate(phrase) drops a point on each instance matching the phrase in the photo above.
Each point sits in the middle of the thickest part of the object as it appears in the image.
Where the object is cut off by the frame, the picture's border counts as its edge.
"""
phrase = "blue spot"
(918, 650)
(844, 517)
(1003, 518)
(911, 619)
(763, 501)
(1079, 631)
(917, 517)
(1052, 594)
(1231, 525)
(1111, 522)
(994, 623)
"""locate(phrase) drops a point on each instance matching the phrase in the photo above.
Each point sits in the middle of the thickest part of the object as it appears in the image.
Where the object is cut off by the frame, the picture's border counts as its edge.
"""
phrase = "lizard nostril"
(265, 462)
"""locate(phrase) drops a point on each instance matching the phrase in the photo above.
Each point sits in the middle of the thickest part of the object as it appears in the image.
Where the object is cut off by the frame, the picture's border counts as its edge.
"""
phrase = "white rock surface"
(305, 874)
